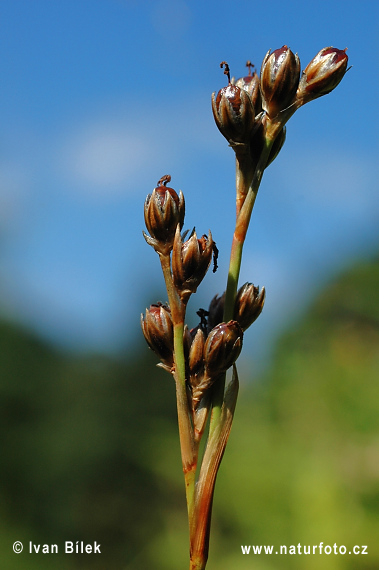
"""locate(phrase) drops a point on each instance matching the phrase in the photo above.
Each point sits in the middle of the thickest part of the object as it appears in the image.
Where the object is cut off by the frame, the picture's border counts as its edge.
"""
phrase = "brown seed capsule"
(222, 348)
(195, 359)
(280, 74)
(248, 305)
(190, 262)
(163, 211)
(233, 112)
(157, 329)
(251, 84)
(216, 311)
(322, 74)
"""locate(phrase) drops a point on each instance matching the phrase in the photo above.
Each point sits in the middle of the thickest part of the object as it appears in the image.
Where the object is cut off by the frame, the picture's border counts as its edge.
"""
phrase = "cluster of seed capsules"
(243, 108)
(213, 346)
(246, 112)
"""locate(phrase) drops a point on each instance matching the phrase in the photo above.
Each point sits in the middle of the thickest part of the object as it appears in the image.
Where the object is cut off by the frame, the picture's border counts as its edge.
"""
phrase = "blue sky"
(100, 98)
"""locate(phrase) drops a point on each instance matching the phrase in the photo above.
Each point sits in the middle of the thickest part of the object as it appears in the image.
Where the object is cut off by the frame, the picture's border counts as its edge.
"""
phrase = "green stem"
(244, 173)
(186, 434)
(223, 403)
(213, 454)
(242, 224)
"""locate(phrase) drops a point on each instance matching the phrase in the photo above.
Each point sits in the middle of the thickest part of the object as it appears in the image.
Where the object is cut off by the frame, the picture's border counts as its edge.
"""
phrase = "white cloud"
(107, 156)
(104, 156)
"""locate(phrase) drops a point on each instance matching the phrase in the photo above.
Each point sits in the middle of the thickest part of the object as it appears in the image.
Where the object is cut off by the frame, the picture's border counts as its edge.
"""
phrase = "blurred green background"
(90, 450)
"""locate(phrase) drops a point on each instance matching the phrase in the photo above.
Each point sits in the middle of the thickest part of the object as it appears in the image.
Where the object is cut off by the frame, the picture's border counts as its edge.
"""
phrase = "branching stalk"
(241, 227)
(186, 435)
(251, 116)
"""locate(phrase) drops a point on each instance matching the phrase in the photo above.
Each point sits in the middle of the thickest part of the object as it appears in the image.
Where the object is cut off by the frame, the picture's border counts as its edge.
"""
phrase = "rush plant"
(251, 113)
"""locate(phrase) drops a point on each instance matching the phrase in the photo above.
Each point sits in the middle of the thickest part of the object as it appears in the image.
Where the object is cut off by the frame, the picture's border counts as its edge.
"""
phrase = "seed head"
(233, 111)
(195, 359)
(190, 262)
(322, 74)
(250, 83)
(280, 74)
(157, 329)
(248, 305)
(216, 311)
(222, 348)
(163, 211)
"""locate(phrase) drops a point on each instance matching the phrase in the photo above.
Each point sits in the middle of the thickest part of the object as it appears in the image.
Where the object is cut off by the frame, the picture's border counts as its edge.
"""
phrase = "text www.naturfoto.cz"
(304, 549)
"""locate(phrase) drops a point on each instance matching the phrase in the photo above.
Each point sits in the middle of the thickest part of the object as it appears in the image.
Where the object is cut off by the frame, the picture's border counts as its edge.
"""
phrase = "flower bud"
(233, 112)
(158, 331)
(222, 348)
(163, 211)
(248, 305)
(322, 74)
(280, 74)
(250, 83)
(190, 262)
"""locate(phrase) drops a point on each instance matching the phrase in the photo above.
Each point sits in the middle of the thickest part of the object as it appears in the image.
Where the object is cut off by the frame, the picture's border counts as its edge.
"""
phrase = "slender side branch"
(186, 435)
(242, 224)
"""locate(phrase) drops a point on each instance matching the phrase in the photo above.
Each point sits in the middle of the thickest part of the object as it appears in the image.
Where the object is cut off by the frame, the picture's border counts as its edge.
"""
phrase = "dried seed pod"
(164, 211)
(195, 358)
(190, 262)
(216, 311)
(280, 73)
(322, 74)
(233, 111)
(197, 382)
(222, 348)
(158, 331)
(251, 84)
(248, 305)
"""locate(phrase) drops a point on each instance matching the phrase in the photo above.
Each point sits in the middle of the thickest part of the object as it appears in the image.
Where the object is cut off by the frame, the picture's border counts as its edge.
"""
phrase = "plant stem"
(242, 223)
(186, 435)
(223, 404)
(244, 173)
(209, 468)
(197, 564)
